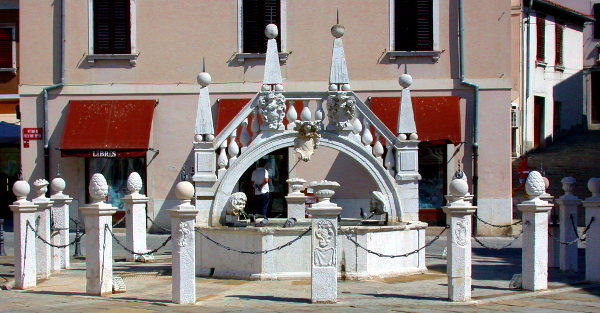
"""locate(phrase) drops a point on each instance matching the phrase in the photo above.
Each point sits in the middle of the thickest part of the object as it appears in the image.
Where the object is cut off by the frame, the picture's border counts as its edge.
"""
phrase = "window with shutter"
(558, 50)
(256, 14)
(6, 47)
(597, 22)
(112, 27)
(413, 25)
(541, 39)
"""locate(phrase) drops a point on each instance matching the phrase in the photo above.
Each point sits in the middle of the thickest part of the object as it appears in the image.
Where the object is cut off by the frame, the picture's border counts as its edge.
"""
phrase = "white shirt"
(258, 178)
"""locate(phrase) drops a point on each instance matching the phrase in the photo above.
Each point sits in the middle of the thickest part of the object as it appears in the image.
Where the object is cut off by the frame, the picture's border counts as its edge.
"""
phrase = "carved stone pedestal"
(60, 236)
(43, 253)
(135, 220)
(25, 241)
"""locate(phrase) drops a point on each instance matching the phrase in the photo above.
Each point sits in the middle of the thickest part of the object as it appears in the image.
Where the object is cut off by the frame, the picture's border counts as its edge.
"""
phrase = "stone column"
(458, 216)
(135, 219)
(324, 243)
(592, 242)
(97, 239)
(553, 230)
(184, 247)
(296, 200)
(535, 235)
(60, 218)
(567, 210)
(23, 214)
(43, 253)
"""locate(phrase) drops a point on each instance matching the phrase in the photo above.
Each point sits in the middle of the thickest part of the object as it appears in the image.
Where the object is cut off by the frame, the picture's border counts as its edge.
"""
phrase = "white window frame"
(434, 54)
(92, 57)
(13, 29)
(240, 55)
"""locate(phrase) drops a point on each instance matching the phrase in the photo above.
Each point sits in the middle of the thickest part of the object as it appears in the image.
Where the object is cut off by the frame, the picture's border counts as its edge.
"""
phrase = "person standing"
(260, 181)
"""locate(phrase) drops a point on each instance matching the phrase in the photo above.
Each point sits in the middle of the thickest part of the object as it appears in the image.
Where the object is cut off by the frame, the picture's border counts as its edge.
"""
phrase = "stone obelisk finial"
(338, 73)
(204, 130)
(407, 129)
(272, 79)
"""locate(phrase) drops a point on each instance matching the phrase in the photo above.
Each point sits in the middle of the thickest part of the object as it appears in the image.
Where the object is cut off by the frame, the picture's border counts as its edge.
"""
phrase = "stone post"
(592, 242)
(535, 236)
(184, 246)
(98, 241)
(296, 200)
(553, 230)
(60, 219)
(458, 216)
(43, 251)
(567, 210)
(23, 214)
(324, 243)
(135, 219)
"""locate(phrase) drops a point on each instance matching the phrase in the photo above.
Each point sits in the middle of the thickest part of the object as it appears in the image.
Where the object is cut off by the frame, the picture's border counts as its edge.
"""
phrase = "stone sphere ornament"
(338, 30)
(535, 186)
(333, 87)
(98, 187)
(594, 186)
(204, 79)
(209, 137)
(198, 138)
(21, 189)
(134, 183)
(405, 80)
(271, 31)
(58, 185)
(413, 136)
(265, 88)
(568, 184)
(346, 87)
(458, 187)
(402, 137)
(278, 87)
(184, 190)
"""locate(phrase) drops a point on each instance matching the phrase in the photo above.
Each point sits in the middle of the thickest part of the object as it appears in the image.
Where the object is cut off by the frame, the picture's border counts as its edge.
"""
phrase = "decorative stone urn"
(324, 190)
(594, 187)
(41, 187)
(296, 184)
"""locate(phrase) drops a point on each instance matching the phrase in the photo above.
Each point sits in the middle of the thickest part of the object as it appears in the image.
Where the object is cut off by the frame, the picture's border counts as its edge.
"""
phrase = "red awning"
(107, 128)
(437, 118)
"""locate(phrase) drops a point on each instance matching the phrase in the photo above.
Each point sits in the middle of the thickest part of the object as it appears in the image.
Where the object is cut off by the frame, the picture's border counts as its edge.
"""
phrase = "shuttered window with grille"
(256, 14)
(541, 39)
(112, 27)
(413, 25)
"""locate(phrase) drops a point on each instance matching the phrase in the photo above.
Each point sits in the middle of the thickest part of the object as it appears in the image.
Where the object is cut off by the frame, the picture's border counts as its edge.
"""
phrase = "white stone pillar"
(97, 239)
(458, 216)
(43, 251)
(296, 201)
(324, 243)
(535, 236)
(592, 242)
(567, 210)
(60, 218)
(23, 214)
(184, 251)
(135, 218)
(553, 230)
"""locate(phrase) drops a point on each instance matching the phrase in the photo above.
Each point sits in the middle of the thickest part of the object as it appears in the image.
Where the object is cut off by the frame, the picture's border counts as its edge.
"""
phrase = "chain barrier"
(157, 226)
(381, 255)
(253, 252)
(119, 221)
(497, 226)
(583, 235)
(131, 251)
(514, 239)
(77, 238)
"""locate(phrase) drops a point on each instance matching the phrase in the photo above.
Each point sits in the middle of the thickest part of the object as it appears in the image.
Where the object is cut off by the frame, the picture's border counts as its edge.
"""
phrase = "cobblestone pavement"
(149, 289)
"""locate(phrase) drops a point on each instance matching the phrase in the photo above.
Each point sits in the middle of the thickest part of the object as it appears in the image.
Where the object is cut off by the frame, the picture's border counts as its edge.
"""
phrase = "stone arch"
(267, 144)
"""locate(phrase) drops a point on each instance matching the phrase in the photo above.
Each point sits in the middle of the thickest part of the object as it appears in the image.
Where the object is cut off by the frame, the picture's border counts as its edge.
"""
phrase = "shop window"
(432, 167)
(116, 171)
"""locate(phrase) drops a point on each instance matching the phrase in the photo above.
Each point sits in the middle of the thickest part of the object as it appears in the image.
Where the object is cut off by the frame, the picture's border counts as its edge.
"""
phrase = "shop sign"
(32, 133)
(104, 154)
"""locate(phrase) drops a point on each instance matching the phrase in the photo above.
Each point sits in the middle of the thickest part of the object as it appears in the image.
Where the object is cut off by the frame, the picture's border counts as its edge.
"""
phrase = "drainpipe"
(48, 88)
(526, 75)
(475, 101)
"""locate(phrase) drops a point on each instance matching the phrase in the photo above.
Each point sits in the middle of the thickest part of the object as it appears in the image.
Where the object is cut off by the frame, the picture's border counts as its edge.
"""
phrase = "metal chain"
(514, 239)
(51, 244)
(381, 255)
(158, 226)
(133, 252)
(583, 235)
(119, 221)
(253, 252)
(498, 226)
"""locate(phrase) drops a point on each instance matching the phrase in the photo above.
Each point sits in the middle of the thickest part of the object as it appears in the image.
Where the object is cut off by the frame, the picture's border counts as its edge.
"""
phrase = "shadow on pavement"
(270, 298)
